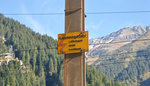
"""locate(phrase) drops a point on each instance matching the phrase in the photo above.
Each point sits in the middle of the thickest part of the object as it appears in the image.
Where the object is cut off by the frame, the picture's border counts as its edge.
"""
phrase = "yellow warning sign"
(74, 42)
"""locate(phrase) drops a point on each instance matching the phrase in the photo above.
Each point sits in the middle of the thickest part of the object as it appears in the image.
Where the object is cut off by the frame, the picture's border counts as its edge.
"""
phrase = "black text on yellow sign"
(74, 42)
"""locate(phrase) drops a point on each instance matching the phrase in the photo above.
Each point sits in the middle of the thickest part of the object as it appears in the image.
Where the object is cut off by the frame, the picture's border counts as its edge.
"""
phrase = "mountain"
(35, 66)
(35, 61)
(125, 34)
(129, 62)
(102, 48)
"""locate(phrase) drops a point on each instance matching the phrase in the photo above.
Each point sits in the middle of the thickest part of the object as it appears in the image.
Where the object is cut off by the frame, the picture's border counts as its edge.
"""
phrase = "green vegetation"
(133, 66)
(41, 67)
(96, 78)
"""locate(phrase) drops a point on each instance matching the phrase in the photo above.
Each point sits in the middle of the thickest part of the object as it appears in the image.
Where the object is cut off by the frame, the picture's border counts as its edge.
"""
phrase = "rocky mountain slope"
(127, 62)
(125, 34)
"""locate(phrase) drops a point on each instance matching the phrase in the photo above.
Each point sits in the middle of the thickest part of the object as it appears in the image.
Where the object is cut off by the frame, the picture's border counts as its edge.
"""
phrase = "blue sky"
(97, 25)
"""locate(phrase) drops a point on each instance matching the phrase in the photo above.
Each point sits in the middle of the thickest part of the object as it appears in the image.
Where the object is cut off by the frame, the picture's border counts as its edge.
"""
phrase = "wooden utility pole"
(74, 67)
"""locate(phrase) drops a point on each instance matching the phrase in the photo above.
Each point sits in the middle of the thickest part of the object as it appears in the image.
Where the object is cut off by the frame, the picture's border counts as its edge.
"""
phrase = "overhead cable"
(88, 13)
(118, 12)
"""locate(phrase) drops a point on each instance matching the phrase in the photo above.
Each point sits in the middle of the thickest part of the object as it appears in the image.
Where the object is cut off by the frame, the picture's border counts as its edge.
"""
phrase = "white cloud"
(95, 26)
(44, 3)
(33, 23)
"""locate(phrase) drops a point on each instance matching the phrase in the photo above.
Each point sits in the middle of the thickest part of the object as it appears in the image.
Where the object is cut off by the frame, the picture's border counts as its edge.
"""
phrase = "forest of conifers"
(41, 67)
